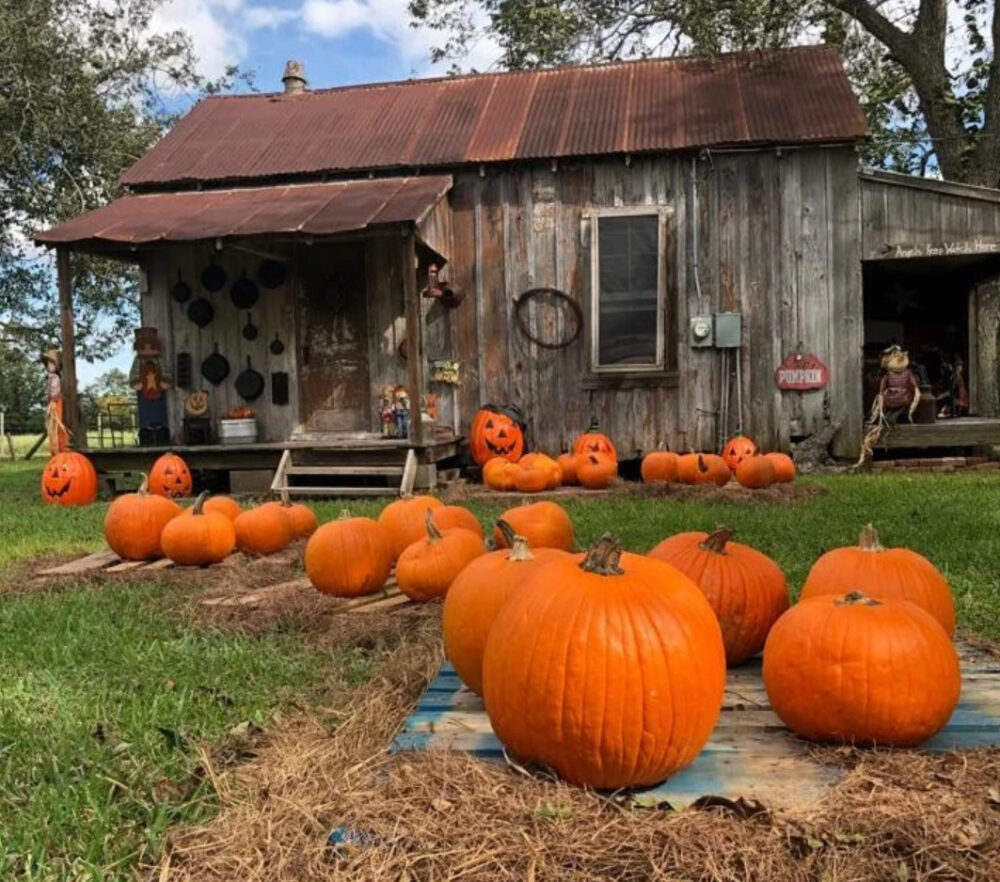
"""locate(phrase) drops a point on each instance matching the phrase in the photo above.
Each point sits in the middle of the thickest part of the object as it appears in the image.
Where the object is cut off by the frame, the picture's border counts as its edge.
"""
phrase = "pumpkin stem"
(508, 532)
(519, 550)
(717, 539)
(144, 486)
(857, 598)
(603, 557)
(199, 503)
(701, 464)
(869, 540)
(344, 514)
(433, 533)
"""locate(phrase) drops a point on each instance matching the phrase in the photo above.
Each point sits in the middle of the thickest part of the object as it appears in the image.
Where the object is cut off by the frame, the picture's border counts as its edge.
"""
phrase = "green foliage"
(22, 390)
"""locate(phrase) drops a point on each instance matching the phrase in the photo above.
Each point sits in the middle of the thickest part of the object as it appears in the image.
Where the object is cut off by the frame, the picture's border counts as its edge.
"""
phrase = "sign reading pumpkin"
(496, 431)
(170, 476)
(69, 479)
(800, 372)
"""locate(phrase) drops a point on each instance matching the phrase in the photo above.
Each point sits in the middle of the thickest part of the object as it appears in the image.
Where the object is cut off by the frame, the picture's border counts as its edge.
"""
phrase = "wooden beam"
(71, 410)
(414, 335)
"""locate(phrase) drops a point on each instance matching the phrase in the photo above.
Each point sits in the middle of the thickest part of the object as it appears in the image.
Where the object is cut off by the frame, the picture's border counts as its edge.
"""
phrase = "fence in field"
(106, 425)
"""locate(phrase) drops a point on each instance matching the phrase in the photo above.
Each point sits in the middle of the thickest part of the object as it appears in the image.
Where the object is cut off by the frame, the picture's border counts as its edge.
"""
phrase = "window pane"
(628, 260)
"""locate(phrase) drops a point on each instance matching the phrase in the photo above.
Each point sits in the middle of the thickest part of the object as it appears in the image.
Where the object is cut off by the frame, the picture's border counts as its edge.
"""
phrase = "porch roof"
(303, 210)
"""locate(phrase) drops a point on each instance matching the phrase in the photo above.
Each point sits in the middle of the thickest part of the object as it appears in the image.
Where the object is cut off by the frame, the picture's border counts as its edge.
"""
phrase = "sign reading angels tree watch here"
(800, 372)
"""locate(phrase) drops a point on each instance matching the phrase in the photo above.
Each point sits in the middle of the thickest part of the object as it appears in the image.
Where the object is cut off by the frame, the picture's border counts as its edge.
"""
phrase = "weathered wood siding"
(778, 240)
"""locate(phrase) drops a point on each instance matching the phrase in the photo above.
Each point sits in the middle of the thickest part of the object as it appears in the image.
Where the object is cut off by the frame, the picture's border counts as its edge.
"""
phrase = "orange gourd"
(659, 467)
(854, 669)
(348, 557)
(783, 465)
(543, 524)
(567, 466)
(265, 529)
(134, 523)
(610, 670)
(199, 539)
(427, 568)
(223, 505)
(498, 474)
(593, 441)
(170, 476)
(883, 574)
(596, 471)
(755, 472)
(531, 477)
(447, 517)
(552, 468)
(736, 449)
(69, 478)
(403, 521)
(745, 588)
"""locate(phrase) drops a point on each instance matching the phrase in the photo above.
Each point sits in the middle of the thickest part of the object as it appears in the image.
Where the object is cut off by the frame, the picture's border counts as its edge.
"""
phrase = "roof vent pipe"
(295, 78)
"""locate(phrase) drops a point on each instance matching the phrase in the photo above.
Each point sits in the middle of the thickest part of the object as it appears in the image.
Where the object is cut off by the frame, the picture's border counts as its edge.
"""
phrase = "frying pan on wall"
(276, 347)
(249, 329)
(200, 311)
(271, 274)
(215, 368)
(244, 292)
(181, 291)
(213, 277)
(249, 384)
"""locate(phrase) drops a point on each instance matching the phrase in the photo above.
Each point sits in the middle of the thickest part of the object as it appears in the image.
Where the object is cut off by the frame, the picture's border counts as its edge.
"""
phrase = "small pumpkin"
(755, 472)
(495, 433)
(448, 517)
(552, 468)
(170, 476)
(530, 477)
(476, 597)
(403, 520)
(225, 505)
(746, 589)
(596, 471)
(265, 529)
(783, 465)
(201, 538)
(736, 449)
(543, 524)
(134, 523)
(594, 441)
(854, 669)
(427, 568)
(348, 557)
(69, 478)
(301, 517)
(498, 474)
(718, 472)
(883, 574)
(610, 670)
(702, 468)
(567, 466)
(659, 467)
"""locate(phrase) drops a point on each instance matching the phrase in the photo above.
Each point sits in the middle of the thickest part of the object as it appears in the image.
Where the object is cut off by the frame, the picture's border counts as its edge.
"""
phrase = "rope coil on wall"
(562, 301)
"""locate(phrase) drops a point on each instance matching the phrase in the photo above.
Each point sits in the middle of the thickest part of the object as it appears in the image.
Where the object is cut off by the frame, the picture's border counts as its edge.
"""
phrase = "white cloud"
(267, 17)
(217, 44)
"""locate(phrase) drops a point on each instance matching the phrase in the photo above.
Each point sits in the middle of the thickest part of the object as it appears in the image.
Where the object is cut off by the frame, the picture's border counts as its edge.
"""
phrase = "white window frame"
(662, 213)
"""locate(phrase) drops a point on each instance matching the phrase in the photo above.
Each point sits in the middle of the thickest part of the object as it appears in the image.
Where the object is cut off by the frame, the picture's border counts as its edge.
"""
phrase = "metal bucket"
(238, 431)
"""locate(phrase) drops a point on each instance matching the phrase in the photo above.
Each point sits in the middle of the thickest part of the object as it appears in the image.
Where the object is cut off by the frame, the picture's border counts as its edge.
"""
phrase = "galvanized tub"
(238, 431)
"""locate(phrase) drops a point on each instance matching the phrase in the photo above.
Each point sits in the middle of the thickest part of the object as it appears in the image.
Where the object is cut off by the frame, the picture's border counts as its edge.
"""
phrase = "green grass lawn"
(107, 704)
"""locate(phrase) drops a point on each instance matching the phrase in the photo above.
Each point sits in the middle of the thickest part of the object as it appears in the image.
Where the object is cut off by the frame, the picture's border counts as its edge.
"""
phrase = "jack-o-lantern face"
(495, 434)
(197, 403)
(69, 479)
(737, 449)
(594, 442)
(170, 477)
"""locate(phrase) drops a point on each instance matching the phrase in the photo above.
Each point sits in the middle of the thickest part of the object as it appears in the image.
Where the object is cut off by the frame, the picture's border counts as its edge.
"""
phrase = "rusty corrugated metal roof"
(790, 96)
(303, 209)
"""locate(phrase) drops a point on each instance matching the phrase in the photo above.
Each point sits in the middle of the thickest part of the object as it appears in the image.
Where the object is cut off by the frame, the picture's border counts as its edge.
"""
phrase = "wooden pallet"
(750, 754)
(390, 597)
(107, 561)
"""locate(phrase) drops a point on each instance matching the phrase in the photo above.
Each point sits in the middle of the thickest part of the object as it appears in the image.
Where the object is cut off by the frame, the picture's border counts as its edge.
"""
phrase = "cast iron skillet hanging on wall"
(244, 292)
(200, 311)
(271, 274)
(215, 368)
(249, 384)
(276, 347)
(181, 292)
(249, 329)
(213, 277)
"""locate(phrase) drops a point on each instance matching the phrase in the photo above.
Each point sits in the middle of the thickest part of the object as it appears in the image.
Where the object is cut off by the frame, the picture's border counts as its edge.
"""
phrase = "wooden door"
(333, 330)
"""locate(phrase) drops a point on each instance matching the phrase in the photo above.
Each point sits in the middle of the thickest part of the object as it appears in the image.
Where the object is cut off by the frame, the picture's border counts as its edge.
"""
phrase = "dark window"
(628, 290)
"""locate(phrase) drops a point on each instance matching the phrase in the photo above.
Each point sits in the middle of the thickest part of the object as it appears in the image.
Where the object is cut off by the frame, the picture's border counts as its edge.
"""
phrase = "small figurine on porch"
(54, 427)
(387, 412)
(898, 393)
(148, 380)
(957, 396)
(401, 412)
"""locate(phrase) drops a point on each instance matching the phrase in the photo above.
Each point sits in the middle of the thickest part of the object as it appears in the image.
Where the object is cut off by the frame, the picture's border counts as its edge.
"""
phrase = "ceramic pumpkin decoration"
(783, 465)
(567, 466)
(265, 529)
(134, 523)
(593, 441)
(596, 471)
(850, 668)
(69, 478)
(622, 704)
(745, 588)
(883, 574)
(659, 467)
(448, 517)
(530, 477)
(348, 557)
(301, 517)
(223, 505)
(477, 595)
(495, 433)
(427, 568)
(170, 476)
(736, 449)
(755, 472)
(404, 521)
(200, 538)
(498, 474)
(542, 524)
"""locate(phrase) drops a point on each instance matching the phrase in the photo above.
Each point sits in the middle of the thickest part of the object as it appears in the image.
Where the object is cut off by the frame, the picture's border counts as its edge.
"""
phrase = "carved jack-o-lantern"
(196, 404)
(594, 442)
(737, 449)
(495, 433)
(69, 479)
(170, 477)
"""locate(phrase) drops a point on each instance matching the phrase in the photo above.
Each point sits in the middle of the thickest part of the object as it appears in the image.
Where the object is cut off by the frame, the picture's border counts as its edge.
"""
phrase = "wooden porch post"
(983, 374)
(414, 336)
(71, 411)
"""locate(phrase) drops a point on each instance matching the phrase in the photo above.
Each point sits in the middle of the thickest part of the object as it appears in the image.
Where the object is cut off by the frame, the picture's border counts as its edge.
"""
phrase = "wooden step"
(346, 492)
(335, 470)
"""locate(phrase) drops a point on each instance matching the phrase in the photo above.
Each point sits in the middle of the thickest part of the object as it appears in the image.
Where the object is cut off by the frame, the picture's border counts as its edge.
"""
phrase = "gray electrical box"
(701, 331)
(728, 330)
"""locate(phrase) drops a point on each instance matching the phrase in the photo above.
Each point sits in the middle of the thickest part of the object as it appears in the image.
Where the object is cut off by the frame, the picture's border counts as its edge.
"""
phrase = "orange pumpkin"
(718, 472)
(755, 472)
(200, 539)
(593, 441)
(265, 529)
(552, 468)
(403, 521)
(596, 471)
(736, 449)
(477, 595)
(69, 478)
(348, 557)
(746, 588)
(223, 505)
(301, 517)
(531, 477)
(783, 465)
(543, 524)
(702, 468)
(883, 574)
(170, 476)
(495, 432)
(134, 523)
(448, 517)
(567, 466)
(427, 568)
(623, 703)
(498, 474)
(659, 467)
(854, 669)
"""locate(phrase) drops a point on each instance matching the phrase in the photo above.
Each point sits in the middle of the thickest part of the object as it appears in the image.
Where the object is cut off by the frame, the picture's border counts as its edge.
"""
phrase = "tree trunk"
(985, 394)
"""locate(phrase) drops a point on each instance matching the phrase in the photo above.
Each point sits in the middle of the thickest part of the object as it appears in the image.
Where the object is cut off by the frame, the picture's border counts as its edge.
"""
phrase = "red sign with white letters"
(800, 372)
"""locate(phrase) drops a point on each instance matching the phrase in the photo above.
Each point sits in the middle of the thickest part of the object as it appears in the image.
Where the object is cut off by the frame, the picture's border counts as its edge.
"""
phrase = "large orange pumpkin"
(659, 467)
(477, 595)
(69, 478)
(495, 432)
(745, 587)
(170, 476)
(403, 521)
(596, 471)
(134, 523)
(447, 517)
(223, 505)
(884, 574)
(738, 448)
(854, 669)
(543, 524)
(611, 671)
(530, 477)
(427, 568)
(265, 529)
(783, 465)
(300, 516)
(755, 472)
(567, 466)
(199, 539)
(593, 441)
(348, 557)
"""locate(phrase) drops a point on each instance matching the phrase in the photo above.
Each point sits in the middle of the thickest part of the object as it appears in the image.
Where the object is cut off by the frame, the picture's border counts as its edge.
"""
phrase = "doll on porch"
(55, 428)
(148, 380)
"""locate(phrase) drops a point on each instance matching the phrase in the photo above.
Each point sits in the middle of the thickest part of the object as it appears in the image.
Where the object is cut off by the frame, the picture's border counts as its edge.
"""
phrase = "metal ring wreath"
(522, 321)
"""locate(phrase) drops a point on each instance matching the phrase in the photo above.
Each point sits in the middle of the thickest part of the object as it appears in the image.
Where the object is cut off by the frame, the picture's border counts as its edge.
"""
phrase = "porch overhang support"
(71, 409)
(414, 334)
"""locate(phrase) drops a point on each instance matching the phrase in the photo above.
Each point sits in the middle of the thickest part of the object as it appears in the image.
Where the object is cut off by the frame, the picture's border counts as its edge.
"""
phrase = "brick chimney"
(295, 78)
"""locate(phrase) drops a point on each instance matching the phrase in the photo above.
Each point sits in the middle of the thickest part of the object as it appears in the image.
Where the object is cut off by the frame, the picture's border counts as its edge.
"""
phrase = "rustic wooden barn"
(635, 244)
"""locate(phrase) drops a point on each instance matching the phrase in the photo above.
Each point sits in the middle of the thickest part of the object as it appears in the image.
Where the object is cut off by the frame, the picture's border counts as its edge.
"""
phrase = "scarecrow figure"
(54, 427)
(147, 378)
(387, 412)
(898, 393)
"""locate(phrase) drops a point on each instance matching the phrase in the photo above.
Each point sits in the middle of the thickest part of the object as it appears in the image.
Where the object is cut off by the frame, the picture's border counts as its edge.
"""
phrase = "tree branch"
(896, 40)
